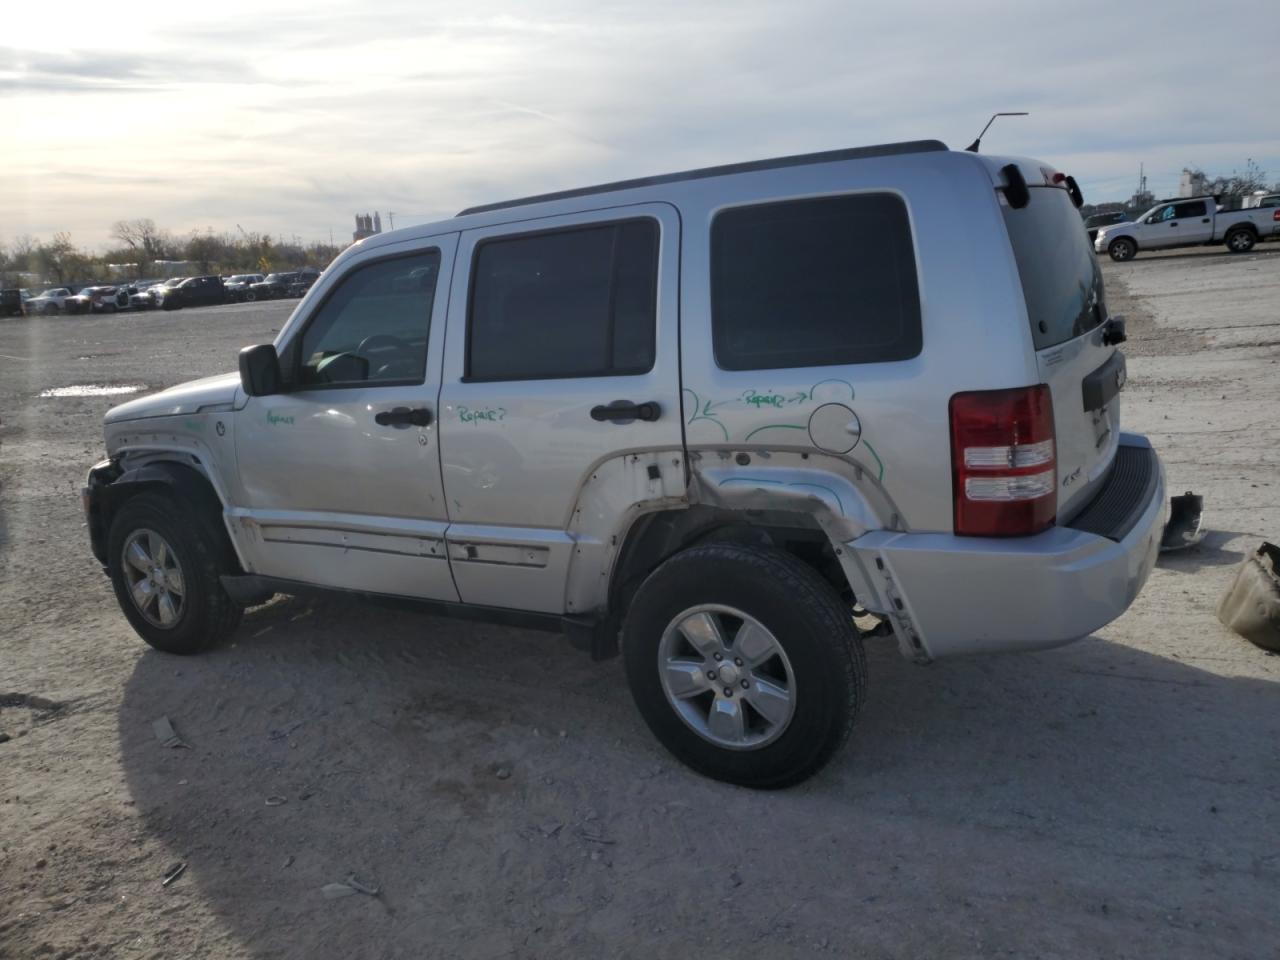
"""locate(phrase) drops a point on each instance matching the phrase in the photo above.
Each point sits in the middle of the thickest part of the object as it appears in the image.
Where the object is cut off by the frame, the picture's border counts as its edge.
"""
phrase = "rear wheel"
(744, 663)
(165, 567)
(1240, 241)
(51, 308)
(1122, 249)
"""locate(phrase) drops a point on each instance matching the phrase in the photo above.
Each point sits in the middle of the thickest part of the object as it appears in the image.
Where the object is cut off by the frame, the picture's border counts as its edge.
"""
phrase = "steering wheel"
(380, 341)
(383, 341)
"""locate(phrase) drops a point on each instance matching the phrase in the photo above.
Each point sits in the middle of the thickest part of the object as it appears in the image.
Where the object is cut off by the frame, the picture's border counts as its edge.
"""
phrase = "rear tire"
(1122, 249)
(165, 558)
(1240, 240)
(795, 636)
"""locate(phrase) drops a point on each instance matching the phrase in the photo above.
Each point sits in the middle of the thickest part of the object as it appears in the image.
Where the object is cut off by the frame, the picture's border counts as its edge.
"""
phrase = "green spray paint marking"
(487, 415)
(775, 426)
(193, 424)
(878, 460)
(703, 412)
(275, 420)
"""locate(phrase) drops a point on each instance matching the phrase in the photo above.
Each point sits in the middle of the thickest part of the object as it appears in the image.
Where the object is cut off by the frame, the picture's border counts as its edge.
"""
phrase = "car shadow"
(1265, 248)
(500, 790)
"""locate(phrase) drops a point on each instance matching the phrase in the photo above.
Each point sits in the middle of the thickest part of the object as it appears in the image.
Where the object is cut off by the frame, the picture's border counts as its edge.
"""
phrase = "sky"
(290, 117)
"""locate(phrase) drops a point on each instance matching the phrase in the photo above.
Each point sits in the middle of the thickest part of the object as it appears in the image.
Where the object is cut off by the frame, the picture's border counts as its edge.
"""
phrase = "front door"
(1177, 224)
(562, 357)
(341, 472)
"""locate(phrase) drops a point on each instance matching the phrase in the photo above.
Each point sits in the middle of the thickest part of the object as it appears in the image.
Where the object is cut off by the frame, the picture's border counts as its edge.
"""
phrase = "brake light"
(1276, 215)
(1003, 462)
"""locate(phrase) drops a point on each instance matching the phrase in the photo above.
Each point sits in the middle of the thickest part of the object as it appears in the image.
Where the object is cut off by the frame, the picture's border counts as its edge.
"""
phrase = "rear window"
(1060, 277)
(811, 283)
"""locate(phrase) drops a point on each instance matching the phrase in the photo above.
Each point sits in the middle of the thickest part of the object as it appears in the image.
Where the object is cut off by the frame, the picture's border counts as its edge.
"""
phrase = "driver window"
(373, 327)
(1163, 215)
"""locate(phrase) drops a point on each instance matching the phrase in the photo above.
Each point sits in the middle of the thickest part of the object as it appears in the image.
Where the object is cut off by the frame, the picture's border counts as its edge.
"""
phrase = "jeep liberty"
(722, 422)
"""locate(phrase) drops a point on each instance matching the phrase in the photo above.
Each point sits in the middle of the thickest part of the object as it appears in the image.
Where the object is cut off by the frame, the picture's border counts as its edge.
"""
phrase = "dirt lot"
(1114, 798)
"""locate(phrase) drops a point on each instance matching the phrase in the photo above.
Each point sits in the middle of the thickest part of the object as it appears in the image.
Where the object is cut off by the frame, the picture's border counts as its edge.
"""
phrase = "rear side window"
(811, 283)
(1195, 208)
(569, 303)
(1061, 282)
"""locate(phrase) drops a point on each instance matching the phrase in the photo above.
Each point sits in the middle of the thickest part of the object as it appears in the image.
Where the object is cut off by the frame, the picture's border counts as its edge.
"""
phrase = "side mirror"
(260, 370)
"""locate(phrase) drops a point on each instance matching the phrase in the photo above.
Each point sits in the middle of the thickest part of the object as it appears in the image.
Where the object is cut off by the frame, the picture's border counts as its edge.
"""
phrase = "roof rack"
(799, 160)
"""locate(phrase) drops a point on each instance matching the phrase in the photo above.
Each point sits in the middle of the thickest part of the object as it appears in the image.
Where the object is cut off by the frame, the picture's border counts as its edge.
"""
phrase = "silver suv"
(710, 419)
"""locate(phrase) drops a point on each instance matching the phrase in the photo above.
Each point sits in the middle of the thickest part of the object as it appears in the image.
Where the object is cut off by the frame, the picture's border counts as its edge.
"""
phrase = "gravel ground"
(1113, 798)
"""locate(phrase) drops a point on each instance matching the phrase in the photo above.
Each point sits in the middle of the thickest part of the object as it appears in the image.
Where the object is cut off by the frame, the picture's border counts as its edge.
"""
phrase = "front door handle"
(403, 417)
(624, 411)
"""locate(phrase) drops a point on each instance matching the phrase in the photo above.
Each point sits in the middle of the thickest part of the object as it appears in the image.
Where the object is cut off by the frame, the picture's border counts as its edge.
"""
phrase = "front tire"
(1240, 241)
(1122, 249)
(164, 565)
(744, 663)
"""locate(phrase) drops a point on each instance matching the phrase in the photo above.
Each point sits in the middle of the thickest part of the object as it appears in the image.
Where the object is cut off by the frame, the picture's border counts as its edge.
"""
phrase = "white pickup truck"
(1193, 222)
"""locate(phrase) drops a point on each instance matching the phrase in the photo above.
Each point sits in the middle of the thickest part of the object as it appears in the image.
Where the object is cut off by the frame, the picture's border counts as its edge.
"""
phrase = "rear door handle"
(624, 411)
(403, 417)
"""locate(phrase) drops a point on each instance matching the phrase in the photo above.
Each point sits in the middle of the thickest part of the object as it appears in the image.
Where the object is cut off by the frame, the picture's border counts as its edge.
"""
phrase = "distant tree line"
(141, 249)
(1230, 191)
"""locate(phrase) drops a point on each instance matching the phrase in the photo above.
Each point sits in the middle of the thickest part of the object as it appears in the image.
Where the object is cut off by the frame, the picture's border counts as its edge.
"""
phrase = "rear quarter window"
(816, 282)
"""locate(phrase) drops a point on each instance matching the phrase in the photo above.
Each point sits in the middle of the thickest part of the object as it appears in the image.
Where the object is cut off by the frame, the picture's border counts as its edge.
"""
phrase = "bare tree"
(143, 237)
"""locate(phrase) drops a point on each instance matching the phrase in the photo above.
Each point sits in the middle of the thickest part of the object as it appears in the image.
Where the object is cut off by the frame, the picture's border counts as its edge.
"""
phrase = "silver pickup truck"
(1193, 222)
(724, 422)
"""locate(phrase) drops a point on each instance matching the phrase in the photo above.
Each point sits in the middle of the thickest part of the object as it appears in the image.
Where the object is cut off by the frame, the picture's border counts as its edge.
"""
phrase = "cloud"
(288, 117)
(111, 71)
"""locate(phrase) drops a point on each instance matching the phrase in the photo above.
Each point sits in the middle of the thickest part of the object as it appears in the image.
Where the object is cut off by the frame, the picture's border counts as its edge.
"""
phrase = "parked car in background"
(162, 290)
(1193, 222)
(194, 292)
(99, 299)
(49, 301)
(237, 287)
(305, 281)
(273, 286)
(140, 297)
(1103, 220)
(1268, 201)
(12, 302)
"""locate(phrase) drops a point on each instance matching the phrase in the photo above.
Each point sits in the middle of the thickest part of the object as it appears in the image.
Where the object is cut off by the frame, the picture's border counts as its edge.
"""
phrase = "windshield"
(1060, 277)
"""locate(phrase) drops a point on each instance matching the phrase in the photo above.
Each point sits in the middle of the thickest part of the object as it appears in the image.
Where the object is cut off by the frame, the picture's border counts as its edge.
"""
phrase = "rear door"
(552, 321)
(1066, 308)
(1192, 221)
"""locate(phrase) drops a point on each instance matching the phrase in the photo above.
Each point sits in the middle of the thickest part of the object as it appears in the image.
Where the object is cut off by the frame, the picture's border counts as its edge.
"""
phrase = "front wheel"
(744, 663)
(1240, 241)
(1122, 249)
(165, 567)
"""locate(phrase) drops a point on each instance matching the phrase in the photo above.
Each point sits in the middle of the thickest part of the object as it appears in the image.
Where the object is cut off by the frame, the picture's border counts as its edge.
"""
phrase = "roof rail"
(799, 160)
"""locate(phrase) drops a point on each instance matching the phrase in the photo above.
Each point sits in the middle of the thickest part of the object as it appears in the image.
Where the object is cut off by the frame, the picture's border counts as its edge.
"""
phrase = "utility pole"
(392, 217)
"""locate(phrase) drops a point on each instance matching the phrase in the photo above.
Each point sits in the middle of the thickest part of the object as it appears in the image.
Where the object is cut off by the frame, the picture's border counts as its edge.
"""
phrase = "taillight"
(1003, 462)
(1276, 215)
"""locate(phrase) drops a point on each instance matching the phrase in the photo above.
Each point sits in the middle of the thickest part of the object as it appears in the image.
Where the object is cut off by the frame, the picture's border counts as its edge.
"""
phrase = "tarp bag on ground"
(1251, 605)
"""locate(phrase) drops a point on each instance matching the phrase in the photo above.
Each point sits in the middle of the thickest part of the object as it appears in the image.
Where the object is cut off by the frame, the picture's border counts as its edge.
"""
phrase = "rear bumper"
(949, 595)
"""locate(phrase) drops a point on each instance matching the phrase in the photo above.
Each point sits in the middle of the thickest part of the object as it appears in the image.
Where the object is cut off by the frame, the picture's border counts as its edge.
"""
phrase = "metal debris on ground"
(1185, 527)
(1251, 605)
(174, 873)
(167, 735)
(352, 884)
